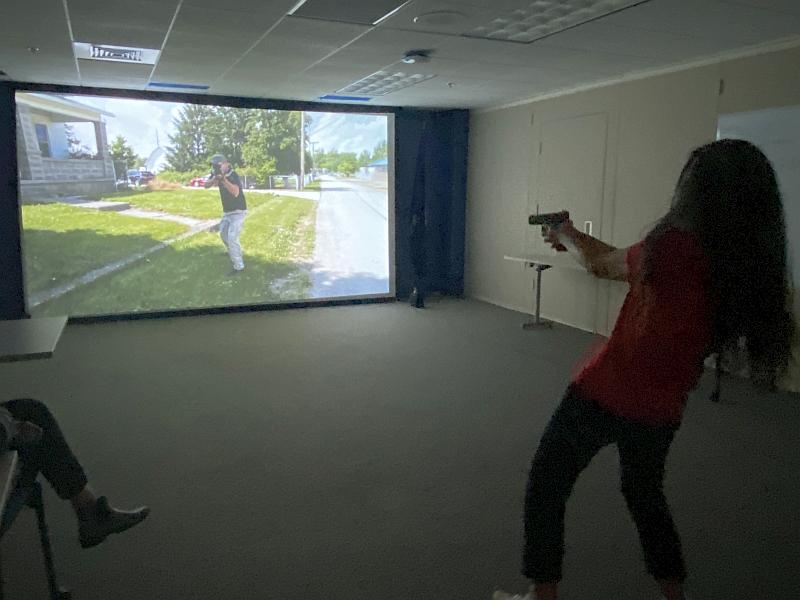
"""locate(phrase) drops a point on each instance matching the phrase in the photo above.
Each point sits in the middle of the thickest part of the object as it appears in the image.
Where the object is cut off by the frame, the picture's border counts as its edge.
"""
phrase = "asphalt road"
(351, 257)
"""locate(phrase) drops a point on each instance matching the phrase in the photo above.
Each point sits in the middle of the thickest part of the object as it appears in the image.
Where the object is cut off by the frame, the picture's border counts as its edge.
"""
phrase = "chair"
(30, 495)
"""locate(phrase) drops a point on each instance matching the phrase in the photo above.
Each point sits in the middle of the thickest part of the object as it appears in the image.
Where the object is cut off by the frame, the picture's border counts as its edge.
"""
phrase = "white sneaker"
(498, 595)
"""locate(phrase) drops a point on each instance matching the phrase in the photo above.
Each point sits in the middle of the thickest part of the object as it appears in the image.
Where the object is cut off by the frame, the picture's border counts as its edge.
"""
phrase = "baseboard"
(526, 311)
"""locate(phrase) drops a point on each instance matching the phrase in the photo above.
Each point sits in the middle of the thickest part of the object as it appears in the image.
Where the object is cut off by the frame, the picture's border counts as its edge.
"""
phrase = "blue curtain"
(430, 201)
(12, 300)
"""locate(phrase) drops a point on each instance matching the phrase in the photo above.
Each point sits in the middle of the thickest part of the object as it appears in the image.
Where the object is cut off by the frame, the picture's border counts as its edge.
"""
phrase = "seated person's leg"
(49, 454)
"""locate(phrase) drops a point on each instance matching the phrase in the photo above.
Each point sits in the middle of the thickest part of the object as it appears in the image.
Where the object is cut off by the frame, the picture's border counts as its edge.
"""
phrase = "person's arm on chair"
(14, 434)
(8, 429)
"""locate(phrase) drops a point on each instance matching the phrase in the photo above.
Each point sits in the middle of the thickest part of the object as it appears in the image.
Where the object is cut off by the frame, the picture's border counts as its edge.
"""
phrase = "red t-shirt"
(655, 354)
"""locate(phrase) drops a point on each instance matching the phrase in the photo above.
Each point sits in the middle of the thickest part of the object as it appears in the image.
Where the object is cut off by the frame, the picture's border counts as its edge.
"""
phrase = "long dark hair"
(727, 195)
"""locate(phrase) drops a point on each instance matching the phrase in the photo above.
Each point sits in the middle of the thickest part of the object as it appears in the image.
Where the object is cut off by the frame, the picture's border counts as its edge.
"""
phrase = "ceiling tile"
(44, 16)
(709, 18)
(382, 46)
(223, 23)
(294, 45)
(541, 55)
(314, 32)
(187, 73)
(365, 12)
(455, 70)
(197, 49)
(250, 7)
(143, 24)
(465, 17)
(50, 37)
(473, 93)
(139, 37)
(117, 6)
(786, 6)
(102, 68)
(602, 36)
(21, 65)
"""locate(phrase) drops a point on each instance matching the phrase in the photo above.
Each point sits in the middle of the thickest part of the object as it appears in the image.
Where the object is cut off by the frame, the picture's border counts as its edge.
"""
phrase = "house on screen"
(377, 171)
(49, 166)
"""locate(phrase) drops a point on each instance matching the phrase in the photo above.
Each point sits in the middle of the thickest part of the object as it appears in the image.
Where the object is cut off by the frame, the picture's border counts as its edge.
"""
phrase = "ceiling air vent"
(139, 56)
(542, 18)
(381, 83)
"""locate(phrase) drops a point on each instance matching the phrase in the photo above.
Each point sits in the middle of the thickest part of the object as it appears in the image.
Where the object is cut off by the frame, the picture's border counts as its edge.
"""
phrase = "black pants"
(52, 456)
(576, 432)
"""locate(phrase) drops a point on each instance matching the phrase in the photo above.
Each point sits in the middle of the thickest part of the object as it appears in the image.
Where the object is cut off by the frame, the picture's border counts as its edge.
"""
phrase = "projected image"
(133, 205)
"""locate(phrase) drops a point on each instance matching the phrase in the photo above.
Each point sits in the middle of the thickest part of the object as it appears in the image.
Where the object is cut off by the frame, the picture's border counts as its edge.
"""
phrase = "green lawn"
(61, 242)
(278, 238)
(195, 203)
(314, 185)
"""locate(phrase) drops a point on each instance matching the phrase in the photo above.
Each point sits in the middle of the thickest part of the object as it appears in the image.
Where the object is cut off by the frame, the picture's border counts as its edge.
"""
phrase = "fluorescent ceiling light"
(340, 98)
(183, 86)
(546, 17)
(381, 83)
(107, 52)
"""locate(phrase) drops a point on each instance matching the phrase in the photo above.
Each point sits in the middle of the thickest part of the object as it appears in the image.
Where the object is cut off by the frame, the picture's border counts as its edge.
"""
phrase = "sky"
(139, 120)
(347, 132)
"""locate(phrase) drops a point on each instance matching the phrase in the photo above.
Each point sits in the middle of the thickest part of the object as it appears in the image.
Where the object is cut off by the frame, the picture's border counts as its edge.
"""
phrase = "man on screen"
(234, 207)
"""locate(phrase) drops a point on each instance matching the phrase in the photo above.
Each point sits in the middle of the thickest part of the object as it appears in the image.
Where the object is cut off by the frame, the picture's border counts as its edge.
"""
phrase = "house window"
(44, 139)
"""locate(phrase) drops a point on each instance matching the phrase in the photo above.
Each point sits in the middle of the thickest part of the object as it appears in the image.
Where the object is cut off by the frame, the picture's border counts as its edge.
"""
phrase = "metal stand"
(32, 496)
(538, 322)
(35, 501)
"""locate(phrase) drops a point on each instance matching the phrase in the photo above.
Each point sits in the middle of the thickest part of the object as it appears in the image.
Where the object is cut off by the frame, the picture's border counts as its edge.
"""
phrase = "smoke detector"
(413, 57)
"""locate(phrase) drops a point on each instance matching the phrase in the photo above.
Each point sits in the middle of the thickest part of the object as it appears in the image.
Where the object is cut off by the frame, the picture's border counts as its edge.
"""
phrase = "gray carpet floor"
(378, 452)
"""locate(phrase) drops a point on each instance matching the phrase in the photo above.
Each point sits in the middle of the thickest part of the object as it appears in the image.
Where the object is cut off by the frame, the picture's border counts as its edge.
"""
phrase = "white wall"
(653, 124)
(777, 132)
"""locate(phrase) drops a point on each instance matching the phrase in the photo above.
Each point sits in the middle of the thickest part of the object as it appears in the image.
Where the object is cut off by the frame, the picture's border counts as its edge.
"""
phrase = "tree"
(323, 160)
(225, 132)
(119, 150)
(272, 143)
(347, 166)
(380, 151)
(188, 150)
(74, 146)
(264, 142)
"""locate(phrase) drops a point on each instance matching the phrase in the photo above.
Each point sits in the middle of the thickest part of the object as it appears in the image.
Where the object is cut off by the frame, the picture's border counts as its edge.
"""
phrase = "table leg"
(538, 322)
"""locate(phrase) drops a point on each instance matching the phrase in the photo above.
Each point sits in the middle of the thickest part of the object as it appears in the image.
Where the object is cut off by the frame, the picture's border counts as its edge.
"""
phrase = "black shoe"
(103, 520)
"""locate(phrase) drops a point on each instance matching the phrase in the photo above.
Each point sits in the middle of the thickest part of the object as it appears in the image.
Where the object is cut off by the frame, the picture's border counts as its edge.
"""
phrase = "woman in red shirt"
(703, 278)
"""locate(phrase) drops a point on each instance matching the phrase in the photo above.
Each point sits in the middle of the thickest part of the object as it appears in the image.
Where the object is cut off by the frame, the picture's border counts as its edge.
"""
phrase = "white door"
(569, 174)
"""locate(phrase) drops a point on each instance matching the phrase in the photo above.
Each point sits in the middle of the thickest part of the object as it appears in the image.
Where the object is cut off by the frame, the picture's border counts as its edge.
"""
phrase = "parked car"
(197, 182)
(140, 177)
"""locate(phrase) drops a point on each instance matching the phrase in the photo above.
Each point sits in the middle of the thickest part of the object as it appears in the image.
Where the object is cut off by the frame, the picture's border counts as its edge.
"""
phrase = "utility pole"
(301, 183)
(313, 157)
